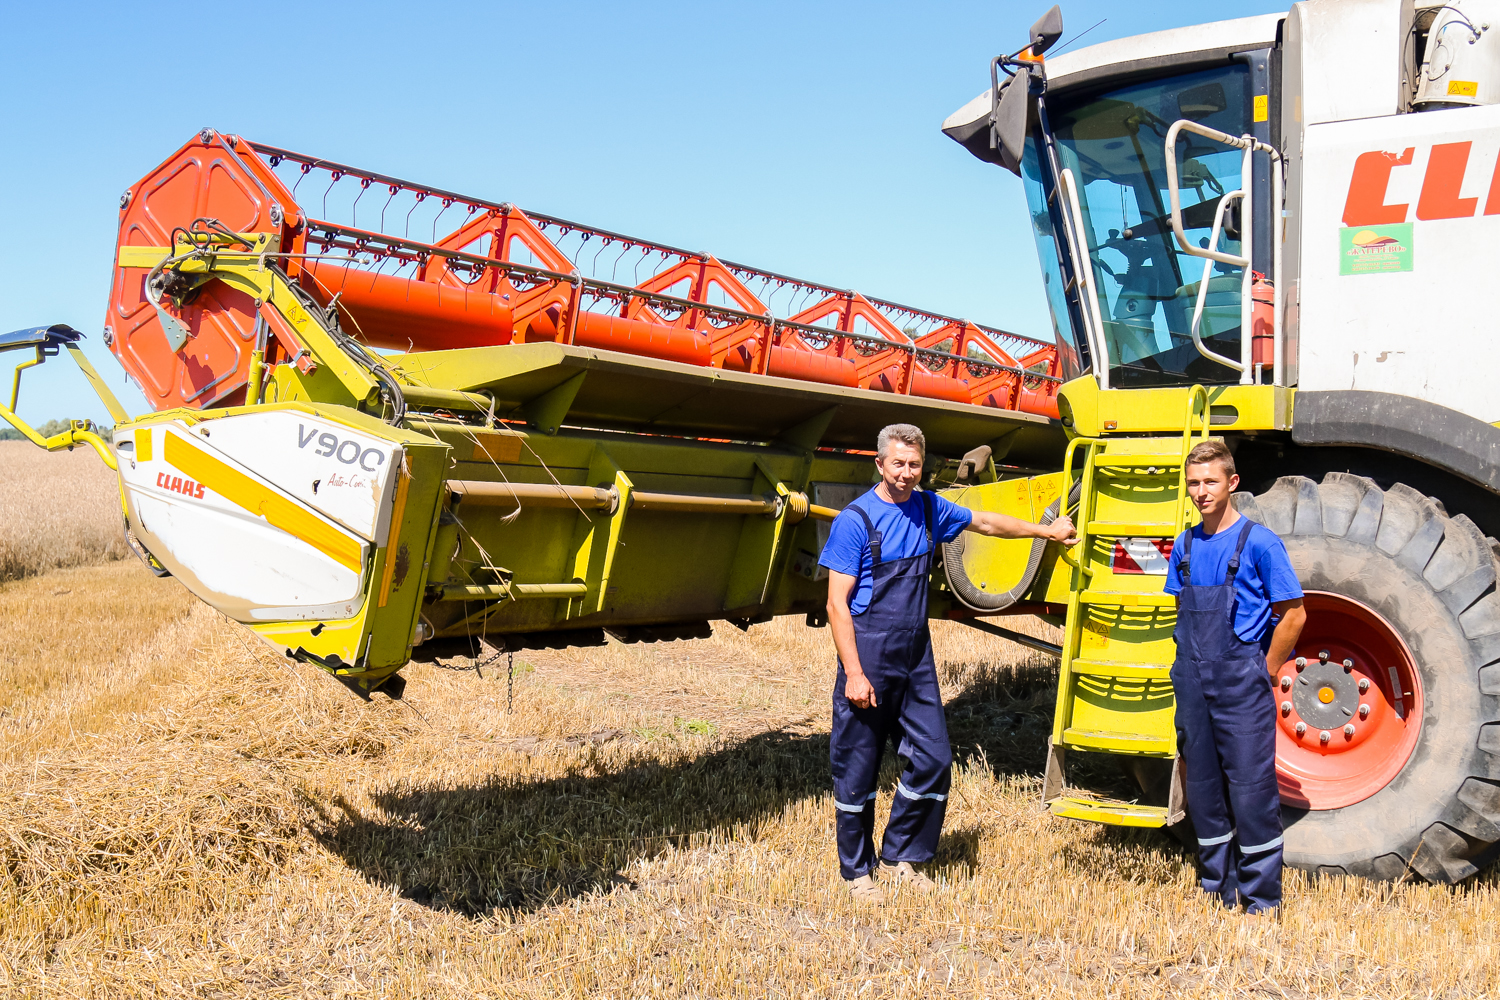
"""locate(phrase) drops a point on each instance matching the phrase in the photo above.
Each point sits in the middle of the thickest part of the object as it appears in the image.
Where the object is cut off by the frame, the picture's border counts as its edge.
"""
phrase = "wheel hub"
(1325, 695)
(1347, 706)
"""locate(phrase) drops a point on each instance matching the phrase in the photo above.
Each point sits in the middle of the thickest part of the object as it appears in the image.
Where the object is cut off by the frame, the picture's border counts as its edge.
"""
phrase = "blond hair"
(1212, 451)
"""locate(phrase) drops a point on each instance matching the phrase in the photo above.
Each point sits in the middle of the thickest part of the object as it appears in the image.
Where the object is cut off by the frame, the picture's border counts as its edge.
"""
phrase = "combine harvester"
(446, 418)
(368, 435)
(1273, 230)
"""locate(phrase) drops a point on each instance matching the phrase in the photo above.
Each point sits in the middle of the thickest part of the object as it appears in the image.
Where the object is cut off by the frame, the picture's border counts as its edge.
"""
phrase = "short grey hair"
(907, 434)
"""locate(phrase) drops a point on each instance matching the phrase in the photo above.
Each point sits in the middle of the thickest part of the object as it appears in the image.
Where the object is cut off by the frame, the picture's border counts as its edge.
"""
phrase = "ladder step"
(1133, 529)
(1171, 462)
(1127, 599)
(1087, 739)
(1113, 813)
(1116, 668)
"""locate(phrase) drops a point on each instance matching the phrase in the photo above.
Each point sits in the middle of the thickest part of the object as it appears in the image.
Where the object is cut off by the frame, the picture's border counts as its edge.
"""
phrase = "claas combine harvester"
(447, 418)
(388, 417)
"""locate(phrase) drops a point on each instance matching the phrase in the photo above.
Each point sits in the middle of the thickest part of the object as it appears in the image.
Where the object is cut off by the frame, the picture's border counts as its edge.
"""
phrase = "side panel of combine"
(235, 538)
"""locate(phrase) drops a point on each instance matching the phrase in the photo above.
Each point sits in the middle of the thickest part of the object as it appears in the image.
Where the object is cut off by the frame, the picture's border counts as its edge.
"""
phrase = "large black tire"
(1432, 577)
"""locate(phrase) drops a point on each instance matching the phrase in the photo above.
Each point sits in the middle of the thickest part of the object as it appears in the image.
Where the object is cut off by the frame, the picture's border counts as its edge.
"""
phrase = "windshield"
(1114, 144)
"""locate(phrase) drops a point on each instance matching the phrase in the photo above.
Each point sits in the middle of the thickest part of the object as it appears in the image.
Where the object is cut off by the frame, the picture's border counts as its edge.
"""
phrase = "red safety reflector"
(1142, 556)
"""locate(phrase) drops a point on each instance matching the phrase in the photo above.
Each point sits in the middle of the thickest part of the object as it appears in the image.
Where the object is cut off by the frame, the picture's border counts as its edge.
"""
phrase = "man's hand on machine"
(1060, 530)
(858, 690)
(995, 525)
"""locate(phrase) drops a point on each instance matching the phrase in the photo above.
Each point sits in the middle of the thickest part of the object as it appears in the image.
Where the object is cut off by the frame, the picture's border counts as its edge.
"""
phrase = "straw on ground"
(184, 813)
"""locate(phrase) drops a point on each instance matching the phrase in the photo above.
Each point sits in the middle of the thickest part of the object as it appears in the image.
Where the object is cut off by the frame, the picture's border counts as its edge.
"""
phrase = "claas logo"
(1442, 180)
(177, 484)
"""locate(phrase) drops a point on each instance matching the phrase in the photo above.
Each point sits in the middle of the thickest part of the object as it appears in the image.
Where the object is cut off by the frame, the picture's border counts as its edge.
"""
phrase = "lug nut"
(1301, 728)
(1364, 684)
(1349, 729)
(1324, 736)
(1301, 662)
(1322, 656)
(1286, 708)
(1286, 684)
(1364, 711)
(1348, 665)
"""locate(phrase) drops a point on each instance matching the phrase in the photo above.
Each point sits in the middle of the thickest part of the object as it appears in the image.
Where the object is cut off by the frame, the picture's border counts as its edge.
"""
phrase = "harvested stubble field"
(184, 813)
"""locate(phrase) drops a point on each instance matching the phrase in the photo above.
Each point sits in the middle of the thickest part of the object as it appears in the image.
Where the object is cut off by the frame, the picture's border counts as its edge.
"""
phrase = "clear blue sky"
(798, 137)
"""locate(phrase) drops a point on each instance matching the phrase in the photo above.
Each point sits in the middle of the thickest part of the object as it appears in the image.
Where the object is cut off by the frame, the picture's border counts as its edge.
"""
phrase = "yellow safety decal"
(1262, 108)
(1095, 634)
(261, 500)
(1463, 88)
(143, 444)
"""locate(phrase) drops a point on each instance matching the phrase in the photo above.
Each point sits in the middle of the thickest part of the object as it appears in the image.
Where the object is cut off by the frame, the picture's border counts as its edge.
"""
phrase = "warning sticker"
(1375, 249)
(1463, 88)
(1262, 107)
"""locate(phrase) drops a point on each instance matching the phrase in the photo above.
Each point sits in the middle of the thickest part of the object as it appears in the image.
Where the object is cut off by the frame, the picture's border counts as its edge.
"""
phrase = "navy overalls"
(1226, 734)
(895, 651)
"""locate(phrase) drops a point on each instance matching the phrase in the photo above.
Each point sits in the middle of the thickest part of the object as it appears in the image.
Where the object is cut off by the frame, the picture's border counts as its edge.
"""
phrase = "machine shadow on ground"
(519, 844)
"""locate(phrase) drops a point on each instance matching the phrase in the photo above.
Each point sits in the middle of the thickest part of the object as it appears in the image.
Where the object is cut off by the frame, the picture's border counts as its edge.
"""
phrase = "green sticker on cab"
(1375, 249)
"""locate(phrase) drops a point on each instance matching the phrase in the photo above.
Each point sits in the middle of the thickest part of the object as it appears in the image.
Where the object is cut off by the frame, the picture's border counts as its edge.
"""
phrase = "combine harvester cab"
(1271, 230)
(440, 419)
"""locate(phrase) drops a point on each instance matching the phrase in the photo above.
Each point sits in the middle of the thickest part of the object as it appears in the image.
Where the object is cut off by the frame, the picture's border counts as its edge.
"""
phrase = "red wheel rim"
(1353, 741)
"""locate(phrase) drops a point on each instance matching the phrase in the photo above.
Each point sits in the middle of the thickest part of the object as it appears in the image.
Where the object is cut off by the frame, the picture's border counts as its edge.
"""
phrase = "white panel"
(344, 473)
(230, 558)
(1428, 332)
(1349, 58)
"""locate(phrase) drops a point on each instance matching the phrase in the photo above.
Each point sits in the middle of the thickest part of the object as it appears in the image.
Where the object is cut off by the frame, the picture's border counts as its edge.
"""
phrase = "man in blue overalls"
(878, 556)
(1239, 613)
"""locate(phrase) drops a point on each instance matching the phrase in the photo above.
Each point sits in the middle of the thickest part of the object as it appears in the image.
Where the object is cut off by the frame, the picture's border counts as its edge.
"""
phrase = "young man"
(878, 556)
(1239, 613)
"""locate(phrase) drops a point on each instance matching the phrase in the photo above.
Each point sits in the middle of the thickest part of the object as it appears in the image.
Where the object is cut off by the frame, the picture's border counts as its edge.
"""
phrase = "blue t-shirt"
(902, 535)
(1265, 574)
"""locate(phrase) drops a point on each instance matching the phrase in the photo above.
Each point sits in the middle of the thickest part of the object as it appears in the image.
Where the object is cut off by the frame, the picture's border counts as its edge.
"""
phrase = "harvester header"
(409, 268)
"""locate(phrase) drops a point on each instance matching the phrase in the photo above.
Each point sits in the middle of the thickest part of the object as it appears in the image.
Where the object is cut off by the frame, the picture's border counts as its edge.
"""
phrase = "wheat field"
(184, 813)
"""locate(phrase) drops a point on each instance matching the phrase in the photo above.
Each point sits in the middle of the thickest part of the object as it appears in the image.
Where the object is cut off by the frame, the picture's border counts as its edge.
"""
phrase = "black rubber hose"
(976, 599)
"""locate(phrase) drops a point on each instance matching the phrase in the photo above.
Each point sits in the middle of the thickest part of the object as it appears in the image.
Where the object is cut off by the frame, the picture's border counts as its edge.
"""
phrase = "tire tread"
(1461, 566)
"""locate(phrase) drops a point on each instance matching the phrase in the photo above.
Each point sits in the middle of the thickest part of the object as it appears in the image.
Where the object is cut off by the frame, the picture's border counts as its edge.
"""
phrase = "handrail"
(1250, 145)
(1084, 274)
(1067, 489)
(1208, 267)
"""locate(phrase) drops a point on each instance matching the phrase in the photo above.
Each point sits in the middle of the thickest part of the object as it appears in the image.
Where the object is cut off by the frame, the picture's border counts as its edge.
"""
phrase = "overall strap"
(1234, 561)
(874, 535)
(1184, 565)
(927, 516)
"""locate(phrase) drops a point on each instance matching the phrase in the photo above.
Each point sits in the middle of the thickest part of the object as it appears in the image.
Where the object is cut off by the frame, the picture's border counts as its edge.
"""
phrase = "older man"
(878, 556)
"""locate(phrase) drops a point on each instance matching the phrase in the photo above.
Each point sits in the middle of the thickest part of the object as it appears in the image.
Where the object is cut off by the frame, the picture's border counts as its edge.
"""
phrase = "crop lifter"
(895, 649)
(1226, 715)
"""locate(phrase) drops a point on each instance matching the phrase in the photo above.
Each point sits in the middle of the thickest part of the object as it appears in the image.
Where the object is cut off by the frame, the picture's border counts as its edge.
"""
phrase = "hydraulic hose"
(976, 599)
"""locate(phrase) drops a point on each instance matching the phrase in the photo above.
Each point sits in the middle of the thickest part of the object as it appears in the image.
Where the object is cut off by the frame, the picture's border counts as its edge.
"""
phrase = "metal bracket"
(1052, 779)
(547, 411)
(809, 433)
(1177, 793)
(175, 332)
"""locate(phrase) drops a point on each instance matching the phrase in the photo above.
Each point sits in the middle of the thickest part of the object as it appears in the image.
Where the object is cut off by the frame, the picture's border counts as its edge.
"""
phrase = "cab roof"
(1139, 54)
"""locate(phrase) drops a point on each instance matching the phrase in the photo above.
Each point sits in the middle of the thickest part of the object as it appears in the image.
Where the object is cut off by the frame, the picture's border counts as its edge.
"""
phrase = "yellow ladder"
(1114, 693)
